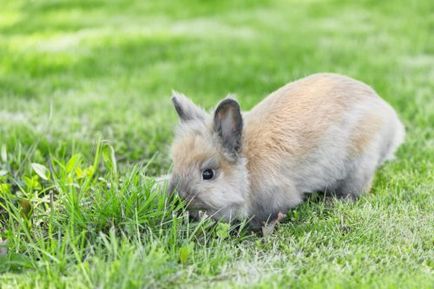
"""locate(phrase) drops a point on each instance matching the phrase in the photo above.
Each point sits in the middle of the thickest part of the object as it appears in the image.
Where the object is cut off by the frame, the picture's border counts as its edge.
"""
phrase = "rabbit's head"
(209, 171)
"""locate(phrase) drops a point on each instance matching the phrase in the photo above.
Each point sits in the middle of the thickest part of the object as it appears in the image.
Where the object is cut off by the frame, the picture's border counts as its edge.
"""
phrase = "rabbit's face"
(208, 171)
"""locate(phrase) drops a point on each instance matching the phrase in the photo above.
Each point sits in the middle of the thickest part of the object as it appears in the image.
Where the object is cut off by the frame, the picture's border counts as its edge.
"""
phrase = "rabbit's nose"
(173, 189)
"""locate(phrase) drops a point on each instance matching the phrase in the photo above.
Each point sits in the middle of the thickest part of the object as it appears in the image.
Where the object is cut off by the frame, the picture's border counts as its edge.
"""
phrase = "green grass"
(84, 91)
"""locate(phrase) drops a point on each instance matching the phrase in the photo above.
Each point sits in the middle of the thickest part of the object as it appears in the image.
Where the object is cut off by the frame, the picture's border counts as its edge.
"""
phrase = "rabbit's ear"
(228, 124)
(185, 108)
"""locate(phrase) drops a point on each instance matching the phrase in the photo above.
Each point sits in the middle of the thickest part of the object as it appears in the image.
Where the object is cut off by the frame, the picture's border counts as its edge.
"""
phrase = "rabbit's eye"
(208, 174)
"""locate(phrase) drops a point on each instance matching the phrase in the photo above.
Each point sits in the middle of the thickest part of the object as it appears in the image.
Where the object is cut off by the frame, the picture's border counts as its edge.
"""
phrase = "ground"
(86, 123)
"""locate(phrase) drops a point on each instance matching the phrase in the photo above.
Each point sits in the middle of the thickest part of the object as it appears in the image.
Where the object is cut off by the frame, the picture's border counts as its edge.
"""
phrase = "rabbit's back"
(314, 132)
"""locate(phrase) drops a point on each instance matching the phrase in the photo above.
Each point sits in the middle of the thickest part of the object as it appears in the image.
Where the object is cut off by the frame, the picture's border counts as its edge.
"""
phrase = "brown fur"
(293, 119)
(364, 133)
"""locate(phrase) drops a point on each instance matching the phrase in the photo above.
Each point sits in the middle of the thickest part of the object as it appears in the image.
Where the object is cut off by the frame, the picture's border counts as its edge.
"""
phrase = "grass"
(84, 92)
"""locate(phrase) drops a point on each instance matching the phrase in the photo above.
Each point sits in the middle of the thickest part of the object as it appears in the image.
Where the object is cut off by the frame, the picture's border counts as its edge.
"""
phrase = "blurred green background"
(73, 72)
(70, 70)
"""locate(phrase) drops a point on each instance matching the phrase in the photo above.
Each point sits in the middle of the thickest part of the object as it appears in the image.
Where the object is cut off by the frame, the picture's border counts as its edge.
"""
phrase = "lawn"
(86, 124)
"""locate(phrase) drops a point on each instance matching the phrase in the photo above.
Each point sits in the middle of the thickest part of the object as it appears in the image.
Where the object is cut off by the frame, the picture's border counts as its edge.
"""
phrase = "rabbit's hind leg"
(358, 180)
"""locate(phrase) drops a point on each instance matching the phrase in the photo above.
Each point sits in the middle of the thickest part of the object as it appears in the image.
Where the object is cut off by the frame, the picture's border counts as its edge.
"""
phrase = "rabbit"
(325, 132)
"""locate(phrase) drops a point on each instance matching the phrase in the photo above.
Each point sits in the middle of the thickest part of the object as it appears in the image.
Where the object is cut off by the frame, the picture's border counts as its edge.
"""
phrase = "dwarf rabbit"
(325, 132)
